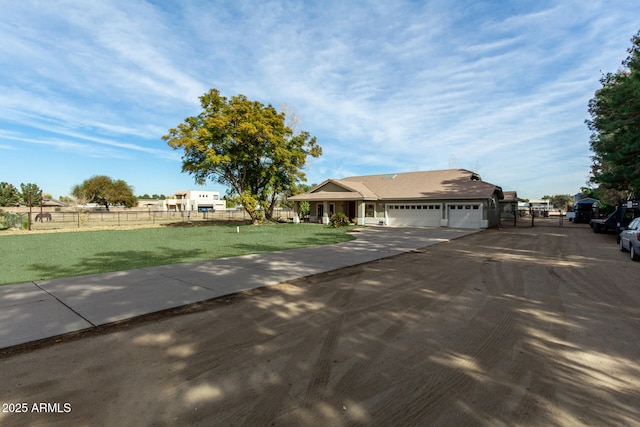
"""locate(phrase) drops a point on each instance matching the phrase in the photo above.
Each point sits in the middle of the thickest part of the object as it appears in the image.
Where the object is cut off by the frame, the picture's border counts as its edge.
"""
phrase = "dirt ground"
(518, 326)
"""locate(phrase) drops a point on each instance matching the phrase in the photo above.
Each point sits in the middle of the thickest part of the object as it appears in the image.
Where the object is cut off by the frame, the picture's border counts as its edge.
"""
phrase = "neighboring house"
(53, 203)
(194, 200)
(540, 205)
(445, 198)
(509, 207)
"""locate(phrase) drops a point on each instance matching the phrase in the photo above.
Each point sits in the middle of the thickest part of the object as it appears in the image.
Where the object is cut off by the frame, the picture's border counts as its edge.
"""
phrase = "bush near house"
(338, 220)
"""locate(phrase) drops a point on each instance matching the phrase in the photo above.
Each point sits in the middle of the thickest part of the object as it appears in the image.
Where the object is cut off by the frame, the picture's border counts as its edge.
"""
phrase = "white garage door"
(412, 215)
(465, 216)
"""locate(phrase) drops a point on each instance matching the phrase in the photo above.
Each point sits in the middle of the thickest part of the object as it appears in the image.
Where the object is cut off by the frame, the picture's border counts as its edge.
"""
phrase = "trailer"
(617, 220)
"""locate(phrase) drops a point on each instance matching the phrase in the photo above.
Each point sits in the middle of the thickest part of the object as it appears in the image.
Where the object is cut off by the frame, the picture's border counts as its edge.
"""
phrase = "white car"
(630, 239)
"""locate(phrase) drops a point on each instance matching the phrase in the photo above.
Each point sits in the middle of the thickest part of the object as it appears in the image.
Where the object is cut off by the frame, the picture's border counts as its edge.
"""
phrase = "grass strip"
(30, 257)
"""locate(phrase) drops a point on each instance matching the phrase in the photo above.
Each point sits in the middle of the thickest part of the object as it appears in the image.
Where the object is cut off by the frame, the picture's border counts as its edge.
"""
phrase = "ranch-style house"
(443, 198)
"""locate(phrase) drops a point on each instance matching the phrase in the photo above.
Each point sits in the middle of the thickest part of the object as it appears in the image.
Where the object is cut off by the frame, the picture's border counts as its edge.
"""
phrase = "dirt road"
(518, 326)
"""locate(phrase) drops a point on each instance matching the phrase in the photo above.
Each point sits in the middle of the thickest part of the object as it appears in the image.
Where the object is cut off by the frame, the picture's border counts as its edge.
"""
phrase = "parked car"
(630, 239)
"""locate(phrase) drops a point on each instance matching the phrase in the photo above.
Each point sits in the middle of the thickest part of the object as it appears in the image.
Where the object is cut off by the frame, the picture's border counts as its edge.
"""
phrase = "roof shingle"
(440, 184)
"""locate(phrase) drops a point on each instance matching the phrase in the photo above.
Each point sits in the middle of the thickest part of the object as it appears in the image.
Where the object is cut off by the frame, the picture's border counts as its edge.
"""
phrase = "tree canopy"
(560, 201)
(105, 191)
(245, 146)
(30, 194)
(615, 126)
(9, 195)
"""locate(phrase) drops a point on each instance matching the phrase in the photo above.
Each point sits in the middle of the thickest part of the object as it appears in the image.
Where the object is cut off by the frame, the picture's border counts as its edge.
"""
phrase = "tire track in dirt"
(586, 285)
(373, 351)
(535, 293)
(270, 402)
(430, 389)
(477, 348)
(415, 303)
(602, 294)
(375, 345)
(321, 371)
(495, 325)
(529, 371)
(474, 348)
(593, 283)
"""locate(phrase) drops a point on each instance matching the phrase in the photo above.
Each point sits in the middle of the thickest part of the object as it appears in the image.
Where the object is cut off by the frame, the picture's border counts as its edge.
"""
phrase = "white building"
(194, 200)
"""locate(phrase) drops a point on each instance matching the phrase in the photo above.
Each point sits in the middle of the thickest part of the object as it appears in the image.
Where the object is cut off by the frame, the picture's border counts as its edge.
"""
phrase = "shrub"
(338, 220)
(11, 220)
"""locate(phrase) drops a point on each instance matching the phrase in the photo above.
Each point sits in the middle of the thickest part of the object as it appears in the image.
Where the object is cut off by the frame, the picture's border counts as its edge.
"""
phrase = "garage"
(415, 214)
(465, 216)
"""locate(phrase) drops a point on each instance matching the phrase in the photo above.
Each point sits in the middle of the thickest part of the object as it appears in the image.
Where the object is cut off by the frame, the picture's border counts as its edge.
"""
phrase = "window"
(369, 213)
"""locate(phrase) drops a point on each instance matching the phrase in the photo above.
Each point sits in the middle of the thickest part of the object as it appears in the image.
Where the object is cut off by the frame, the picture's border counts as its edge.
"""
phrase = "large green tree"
(30, 194)
(245, 146)
(8, 194)
(615, 127)
(105, 191)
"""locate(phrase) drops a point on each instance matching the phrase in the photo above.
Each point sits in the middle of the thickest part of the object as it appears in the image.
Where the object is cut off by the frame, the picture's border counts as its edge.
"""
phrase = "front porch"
(358, 211)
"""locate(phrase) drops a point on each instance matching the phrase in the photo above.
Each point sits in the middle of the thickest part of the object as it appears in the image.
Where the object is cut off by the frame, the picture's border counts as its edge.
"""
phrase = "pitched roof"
(53, 202)
(510, 196)
(440, 184)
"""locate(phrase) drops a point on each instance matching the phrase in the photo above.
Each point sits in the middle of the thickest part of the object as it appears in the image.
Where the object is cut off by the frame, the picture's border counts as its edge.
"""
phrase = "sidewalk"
(43, 309)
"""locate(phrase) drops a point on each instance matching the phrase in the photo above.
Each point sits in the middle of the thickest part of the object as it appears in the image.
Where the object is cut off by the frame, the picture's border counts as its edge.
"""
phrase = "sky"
(498, 87)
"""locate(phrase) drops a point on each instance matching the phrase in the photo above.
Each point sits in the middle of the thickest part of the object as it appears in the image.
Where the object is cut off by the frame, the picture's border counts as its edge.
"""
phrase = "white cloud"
(386, 86)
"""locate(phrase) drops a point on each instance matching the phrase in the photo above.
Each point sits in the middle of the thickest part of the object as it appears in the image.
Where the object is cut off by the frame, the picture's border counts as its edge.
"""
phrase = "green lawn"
(25, 258)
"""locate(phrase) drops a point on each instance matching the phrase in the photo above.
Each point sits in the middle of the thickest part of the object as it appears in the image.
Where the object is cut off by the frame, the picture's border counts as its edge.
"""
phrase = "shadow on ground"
(117, 260)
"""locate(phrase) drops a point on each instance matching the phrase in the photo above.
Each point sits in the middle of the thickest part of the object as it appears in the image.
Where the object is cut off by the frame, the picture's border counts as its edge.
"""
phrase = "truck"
(617, 220)
(583, 210)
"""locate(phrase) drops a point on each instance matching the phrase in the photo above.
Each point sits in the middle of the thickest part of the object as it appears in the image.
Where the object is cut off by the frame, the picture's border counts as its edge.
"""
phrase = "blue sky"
(500, 87)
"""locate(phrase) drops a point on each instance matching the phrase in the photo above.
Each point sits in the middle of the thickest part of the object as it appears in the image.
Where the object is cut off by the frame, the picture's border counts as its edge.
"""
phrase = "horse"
(42, 216)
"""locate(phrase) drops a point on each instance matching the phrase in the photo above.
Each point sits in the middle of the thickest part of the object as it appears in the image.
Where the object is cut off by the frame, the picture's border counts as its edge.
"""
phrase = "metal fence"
(535, 218)
(88, 219)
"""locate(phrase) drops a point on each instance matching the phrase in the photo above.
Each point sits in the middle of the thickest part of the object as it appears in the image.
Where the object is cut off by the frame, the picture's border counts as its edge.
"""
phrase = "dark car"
(630, 239)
